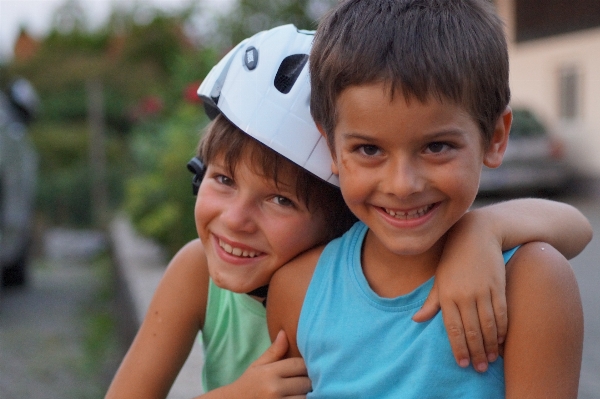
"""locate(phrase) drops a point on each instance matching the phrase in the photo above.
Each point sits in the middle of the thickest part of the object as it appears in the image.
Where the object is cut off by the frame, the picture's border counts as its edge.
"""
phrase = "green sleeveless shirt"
(234, 335)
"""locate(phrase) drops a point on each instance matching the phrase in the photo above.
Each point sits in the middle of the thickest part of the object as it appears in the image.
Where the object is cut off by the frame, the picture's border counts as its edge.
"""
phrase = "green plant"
(158, 197)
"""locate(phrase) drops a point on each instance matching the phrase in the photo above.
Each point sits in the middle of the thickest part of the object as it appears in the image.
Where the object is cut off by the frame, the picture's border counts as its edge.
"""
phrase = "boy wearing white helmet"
(256, 211)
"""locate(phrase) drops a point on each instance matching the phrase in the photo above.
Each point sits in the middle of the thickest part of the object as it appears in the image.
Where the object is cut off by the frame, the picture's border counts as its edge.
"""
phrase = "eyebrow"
(358, 136)
(454, 132)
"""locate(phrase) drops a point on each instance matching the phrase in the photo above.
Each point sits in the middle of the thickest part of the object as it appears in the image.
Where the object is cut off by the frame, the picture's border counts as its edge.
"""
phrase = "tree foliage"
(250, 16)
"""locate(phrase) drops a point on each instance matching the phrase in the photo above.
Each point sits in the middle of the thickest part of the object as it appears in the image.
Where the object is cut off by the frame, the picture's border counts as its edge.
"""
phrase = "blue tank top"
(357, 344)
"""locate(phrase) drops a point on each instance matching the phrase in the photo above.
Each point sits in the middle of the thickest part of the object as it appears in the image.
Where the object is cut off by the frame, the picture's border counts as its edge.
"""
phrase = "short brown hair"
(449, 49)
(223, 138)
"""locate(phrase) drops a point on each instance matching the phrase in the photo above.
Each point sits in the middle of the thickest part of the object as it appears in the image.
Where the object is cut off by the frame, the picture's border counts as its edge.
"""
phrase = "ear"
(493, 155)
(334, 168)
(321, 130)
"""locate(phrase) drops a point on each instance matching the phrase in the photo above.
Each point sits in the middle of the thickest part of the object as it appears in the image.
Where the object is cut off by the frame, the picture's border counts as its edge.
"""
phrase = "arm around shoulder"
(534, 219)
(543, 349)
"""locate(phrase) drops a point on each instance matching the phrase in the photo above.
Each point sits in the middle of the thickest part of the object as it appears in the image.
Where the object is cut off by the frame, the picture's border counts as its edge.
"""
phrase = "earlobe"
(321, 130)
(495, 151)
(334, 168)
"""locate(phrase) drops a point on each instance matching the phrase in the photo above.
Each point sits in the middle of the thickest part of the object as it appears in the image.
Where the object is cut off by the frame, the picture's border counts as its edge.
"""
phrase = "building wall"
(537, 69)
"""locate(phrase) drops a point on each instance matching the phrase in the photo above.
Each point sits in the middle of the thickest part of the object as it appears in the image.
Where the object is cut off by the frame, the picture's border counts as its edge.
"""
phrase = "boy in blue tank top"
(412, 96)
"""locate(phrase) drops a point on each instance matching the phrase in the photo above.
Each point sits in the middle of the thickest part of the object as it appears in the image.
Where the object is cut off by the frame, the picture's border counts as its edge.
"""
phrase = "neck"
(390, 274)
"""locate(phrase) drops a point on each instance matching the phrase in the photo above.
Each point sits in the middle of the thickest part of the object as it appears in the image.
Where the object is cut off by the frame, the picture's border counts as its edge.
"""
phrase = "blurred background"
(99, 116)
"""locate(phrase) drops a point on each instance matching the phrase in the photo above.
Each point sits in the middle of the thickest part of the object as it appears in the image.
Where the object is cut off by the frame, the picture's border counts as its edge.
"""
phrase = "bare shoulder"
(287, 290)
(184, 285)
(544, 342)
(168, 331)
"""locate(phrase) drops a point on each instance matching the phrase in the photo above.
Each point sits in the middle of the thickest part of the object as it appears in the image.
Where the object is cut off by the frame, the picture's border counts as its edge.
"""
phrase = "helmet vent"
(288, 72)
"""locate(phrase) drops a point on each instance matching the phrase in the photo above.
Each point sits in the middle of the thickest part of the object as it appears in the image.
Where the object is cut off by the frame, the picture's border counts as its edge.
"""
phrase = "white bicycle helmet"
(262, 86)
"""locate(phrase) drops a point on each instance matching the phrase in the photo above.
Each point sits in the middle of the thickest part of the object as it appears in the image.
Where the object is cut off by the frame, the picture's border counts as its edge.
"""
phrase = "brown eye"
(225, 180)
(283, 201)
(369, 150)
(437, 147)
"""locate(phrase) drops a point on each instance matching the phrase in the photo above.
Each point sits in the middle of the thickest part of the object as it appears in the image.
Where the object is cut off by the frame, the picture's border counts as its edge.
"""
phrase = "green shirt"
(234, 335)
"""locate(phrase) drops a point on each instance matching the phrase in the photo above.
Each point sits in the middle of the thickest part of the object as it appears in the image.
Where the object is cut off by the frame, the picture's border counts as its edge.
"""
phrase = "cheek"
(301, 235)
(202, 211)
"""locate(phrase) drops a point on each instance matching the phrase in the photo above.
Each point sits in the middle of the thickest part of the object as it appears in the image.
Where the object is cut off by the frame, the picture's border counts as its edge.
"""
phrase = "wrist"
(478, 226)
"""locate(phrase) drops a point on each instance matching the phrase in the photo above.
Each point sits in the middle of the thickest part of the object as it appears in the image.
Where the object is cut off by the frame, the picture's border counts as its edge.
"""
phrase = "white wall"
(534, 79)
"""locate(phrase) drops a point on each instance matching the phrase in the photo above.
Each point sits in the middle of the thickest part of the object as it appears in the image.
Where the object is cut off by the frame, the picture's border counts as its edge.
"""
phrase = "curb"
(140, 264)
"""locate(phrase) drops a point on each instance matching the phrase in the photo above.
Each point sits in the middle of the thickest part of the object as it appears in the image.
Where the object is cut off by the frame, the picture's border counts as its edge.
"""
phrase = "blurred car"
(18, 166)
(534, 162)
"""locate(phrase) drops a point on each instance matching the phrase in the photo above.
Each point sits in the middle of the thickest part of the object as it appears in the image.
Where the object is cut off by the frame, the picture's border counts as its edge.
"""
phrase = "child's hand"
(271, 376)
(470, 287)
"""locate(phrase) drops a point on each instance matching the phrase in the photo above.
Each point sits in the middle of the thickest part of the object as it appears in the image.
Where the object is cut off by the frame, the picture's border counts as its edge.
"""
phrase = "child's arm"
(471, 277)
(166, 336)
(173, 320)
(544, 342)
(268, 377)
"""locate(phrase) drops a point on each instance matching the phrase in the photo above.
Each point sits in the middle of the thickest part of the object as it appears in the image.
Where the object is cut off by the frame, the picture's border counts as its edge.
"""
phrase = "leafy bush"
(159, 197)
(64, 182)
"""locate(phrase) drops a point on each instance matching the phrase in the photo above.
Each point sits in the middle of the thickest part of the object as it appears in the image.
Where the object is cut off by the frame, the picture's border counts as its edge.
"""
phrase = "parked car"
(534, 162)
(18, 166)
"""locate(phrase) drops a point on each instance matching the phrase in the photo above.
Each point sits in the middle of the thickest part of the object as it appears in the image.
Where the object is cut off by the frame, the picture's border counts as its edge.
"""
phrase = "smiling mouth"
(412, 214)
(242, 253)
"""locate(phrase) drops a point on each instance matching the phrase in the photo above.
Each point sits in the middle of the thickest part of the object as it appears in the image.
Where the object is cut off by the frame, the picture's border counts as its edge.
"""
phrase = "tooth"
(245, 254)
(228, 248)
(236, 251)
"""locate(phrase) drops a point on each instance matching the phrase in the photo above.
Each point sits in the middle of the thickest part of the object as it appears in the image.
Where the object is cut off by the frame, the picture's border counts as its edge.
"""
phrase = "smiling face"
(250, 226)
(409, 170)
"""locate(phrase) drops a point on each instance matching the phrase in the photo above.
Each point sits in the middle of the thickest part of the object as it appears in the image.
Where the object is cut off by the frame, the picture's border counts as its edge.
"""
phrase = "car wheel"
(15, 274)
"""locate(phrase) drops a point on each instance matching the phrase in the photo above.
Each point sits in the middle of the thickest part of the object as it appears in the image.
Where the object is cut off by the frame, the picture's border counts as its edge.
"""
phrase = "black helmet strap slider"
(197, 167)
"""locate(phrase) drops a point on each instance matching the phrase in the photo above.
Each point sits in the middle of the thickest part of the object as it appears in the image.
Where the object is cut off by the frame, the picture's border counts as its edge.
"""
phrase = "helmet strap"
(197, 167)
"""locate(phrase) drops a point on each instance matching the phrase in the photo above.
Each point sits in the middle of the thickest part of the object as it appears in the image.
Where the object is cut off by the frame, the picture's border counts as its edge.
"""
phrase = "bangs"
(225, 139)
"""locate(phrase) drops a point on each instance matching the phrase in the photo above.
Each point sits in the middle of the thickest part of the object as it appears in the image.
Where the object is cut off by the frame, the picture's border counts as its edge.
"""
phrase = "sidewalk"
(140, 265)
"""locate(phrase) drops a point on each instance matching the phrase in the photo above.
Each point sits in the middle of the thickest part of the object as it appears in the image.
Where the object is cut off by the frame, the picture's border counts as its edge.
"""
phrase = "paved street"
(587, 270)
(58, 337)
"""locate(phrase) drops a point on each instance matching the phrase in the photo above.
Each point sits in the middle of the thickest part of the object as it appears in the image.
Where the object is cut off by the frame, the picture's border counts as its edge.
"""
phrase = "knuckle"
(271, 390)
(489, 348)
(477, 353)
(472, 335)
(488, 325)
(501, 313)
(454, 331)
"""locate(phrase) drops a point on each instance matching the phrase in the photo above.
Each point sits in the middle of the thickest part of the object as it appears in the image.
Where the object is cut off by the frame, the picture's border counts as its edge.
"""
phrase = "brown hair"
(223, 138)
(449, 49)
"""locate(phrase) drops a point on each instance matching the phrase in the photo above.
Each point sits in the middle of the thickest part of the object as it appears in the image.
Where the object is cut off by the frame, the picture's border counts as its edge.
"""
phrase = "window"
(568, 92)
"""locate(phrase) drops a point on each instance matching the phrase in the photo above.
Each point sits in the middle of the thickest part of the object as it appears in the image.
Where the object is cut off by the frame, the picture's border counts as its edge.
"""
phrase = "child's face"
(407, 170)
(250, 227)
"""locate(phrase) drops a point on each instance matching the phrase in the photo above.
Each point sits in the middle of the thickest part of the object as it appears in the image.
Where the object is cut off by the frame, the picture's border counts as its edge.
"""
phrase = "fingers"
(275, 352)
(456, 334)
(465, 334)
(489, 331)
(290, 378)
(500, 315)
(430, 307)
(296, 387)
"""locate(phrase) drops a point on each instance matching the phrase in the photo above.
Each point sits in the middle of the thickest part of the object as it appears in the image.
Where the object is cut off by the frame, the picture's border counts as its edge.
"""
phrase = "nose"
(239, 215)
(403, 178)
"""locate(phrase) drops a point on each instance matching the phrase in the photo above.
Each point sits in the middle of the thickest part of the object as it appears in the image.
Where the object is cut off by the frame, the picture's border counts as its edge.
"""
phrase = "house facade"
(554, 50)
